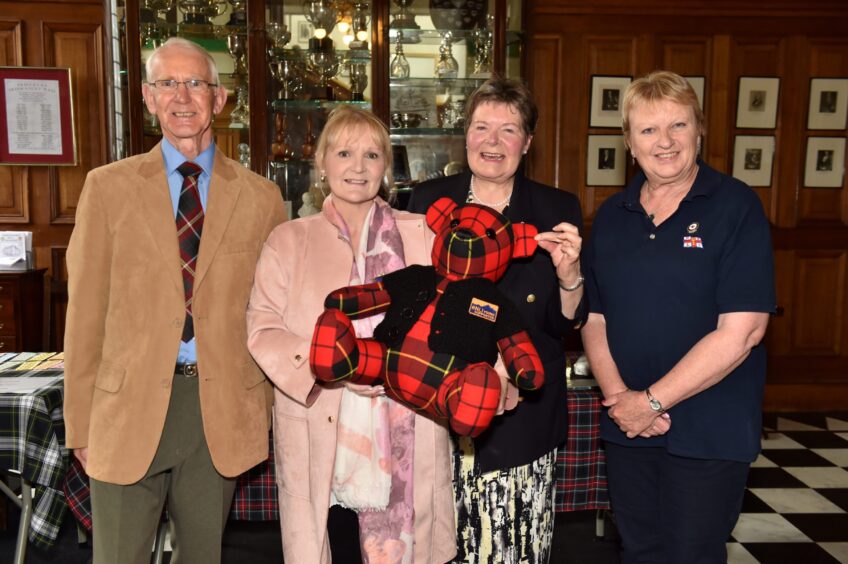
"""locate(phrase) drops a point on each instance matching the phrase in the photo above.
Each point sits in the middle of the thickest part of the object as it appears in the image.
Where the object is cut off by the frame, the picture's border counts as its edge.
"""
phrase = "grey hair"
(181, 43)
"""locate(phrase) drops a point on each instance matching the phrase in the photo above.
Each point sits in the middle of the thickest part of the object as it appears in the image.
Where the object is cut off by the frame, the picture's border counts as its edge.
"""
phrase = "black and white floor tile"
(796, 505)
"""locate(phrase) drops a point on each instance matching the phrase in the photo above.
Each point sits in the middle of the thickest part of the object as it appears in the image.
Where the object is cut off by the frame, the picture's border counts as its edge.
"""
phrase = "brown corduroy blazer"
(126, 312)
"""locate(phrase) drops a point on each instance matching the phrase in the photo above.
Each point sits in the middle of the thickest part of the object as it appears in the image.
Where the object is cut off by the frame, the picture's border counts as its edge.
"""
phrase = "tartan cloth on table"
(255, 498)
(32, 439)
(581, 481)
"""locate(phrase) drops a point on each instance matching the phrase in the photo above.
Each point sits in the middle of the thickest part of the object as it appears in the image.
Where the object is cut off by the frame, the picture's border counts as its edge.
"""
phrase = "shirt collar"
(706, 182)
(173, 158)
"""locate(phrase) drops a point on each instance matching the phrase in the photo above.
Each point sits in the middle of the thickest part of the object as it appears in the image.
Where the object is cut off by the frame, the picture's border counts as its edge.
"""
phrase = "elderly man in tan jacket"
(163, 400)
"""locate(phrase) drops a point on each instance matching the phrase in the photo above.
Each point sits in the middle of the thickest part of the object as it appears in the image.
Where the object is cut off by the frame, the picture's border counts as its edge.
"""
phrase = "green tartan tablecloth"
(32, 435)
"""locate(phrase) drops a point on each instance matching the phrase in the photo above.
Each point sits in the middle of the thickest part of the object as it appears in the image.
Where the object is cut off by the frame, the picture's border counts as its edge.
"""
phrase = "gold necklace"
(496, 205)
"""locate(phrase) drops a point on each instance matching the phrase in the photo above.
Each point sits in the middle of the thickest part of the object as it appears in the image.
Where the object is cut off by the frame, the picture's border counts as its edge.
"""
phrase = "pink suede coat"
(301, 263)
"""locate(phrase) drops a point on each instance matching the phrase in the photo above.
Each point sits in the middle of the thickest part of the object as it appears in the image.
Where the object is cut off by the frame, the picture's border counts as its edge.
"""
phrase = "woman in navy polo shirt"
(680, 282)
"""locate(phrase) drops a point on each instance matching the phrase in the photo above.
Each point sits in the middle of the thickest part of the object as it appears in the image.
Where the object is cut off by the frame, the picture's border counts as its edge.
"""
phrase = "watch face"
(655, 405)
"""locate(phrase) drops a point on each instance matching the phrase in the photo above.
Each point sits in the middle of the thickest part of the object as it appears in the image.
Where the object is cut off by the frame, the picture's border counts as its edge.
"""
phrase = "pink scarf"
(374, 453)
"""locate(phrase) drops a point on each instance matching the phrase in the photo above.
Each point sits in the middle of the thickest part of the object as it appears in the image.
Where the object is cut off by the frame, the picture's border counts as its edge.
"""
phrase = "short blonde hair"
(346, 117)
(657, 86)
(185, 44)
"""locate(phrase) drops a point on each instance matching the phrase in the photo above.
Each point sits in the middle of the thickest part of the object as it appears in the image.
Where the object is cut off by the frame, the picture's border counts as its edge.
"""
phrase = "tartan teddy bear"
(444, 324)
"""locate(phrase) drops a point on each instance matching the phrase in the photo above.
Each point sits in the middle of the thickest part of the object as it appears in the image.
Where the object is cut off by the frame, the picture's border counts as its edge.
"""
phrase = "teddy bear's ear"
(438, 213)
(525, 244)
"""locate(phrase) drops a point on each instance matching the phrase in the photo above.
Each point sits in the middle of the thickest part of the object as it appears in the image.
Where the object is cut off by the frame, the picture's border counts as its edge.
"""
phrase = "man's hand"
(82, 456)
(631, 412)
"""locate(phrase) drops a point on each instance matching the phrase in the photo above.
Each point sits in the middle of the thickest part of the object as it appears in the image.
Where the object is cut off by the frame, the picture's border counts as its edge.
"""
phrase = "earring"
(632, 158)
(698, 148)
(322, 184)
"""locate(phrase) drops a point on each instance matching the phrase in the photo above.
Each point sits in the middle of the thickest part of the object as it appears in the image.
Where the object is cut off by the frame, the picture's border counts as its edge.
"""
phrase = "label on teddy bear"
(483, 309)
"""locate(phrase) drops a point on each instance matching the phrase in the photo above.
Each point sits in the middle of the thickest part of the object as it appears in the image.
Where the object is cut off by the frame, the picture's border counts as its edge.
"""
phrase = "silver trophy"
(285, 64)
(483, 47)
(447, 67)
(322, 60)
(237, 46)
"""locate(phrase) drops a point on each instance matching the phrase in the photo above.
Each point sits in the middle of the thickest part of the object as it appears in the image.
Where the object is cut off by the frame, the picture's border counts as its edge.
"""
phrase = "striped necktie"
(189, 227)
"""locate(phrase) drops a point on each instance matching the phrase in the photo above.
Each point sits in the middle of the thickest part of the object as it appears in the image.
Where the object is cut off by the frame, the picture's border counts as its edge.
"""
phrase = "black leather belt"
(187, 370)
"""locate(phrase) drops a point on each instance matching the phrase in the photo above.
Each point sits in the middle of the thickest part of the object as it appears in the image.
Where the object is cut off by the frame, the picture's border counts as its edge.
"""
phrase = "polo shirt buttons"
(531, 298)
(652, 236)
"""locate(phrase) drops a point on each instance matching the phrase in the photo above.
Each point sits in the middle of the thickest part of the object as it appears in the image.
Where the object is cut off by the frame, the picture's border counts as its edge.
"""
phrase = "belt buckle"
(189, 370)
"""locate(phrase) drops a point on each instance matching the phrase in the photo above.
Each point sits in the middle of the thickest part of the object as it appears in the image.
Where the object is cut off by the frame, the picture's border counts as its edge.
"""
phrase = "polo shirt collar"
(706, 182)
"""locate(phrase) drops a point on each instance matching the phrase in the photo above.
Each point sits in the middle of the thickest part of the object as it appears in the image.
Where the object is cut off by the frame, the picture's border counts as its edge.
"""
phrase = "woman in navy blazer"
(504, 479)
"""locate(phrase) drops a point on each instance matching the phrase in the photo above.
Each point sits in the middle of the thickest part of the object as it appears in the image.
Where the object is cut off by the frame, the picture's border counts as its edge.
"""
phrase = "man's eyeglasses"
(194, 85)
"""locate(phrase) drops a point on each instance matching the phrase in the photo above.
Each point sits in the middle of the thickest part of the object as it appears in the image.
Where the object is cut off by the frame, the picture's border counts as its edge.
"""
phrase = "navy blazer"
(539, 423)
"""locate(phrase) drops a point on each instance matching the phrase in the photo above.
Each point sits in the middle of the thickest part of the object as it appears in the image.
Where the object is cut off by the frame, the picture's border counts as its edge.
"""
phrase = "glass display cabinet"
(287, 63)
(440, 52)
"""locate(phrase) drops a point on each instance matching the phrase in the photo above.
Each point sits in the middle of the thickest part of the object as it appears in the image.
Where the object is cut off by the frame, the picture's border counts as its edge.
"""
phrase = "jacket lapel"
(223, 194)
(158, 211)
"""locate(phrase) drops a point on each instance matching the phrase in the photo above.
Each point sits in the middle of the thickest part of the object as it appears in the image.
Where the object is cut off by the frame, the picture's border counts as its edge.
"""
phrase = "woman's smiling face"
(495, 142)
(664, 139)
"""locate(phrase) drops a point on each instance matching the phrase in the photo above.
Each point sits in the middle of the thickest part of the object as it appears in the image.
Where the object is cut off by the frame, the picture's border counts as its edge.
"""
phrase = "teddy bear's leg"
(336, 353)
(470, 398)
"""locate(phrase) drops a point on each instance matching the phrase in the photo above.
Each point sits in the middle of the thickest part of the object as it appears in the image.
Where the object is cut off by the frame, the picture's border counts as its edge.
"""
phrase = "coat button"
(330, 419)
(422, 296)
(298, 358)
(407, 313)
(392, 333)
(652, 236)
(531, 298)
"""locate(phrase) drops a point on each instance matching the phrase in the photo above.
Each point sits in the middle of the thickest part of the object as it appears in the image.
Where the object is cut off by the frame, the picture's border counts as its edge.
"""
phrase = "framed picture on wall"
(753, 157)
(825, 162)
(36, 117)
(606, 160)
(828, 103)
(698, 83)
(606, 95)
(757, 102)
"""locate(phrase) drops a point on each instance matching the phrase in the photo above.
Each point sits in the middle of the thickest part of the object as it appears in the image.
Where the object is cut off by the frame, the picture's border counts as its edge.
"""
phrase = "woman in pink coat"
(332, 444)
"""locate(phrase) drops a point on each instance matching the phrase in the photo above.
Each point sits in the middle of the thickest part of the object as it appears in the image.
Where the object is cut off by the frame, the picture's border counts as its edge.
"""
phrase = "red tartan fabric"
(581, 480)
(189, 229)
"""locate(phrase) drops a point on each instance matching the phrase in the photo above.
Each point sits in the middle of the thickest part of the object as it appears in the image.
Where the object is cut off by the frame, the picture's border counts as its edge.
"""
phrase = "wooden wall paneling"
(58, 299)
(779, 335)
(80, 47)
(817, 327)
(545, 66)
(826, 57)
(719, 107)
(611, 55)
(759, 57)
(14, 188)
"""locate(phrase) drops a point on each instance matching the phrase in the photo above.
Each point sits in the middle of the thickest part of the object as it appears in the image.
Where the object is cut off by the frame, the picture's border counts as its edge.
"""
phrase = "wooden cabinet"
(22, 310)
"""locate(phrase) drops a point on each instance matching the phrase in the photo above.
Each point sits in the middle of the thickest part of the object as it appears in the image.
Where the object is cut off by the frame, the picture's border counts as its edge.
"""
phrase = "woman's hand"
(365, 390)
(563, 243)
(632, 414)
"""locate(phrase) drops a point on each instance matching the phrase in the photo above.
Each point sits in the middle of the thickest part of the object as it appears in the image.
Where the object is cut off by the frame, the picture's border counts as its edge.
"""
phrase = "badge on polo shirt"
(693, 243)
(693, 227)
(483, 309)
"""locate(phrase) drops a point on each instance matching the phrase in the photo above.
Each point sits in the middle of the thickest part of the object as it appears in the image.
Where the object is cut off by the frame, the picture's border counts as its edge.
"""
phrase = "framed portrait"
(828, 103)
(605, 97)
(825, 162)
(698, 83)
(757, 102)
(606, 160)
(753, 157)
(36, 117)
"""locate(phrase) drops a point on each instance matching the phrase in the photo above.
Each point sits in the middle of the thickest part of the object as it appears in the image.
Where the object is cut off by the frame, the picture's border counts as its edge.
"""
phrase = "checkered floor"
(796, 504)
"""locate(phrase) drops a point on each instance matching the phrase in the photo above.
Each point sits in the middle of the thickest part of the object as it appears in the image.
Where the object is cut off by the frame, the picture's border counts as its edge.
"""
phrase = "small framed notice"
(36, 117)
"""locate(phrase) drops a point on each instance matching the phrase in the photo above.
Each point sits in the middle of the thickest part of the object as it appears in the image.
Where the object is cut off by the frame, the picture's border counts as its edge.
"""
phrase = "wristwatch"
(654, 402)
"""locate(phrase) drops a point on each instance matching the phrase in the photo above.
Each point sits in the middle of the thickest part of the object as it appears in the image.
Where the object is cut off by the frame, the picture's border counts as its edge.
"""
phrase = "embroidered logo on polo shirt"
(483, 309)
(693, 227)
(693, 243)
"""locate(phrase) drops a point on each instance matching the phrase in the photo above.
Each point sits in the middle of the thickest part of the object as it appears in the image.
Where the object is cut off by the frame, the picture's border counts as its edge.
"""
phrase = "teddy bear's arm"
(360, 301)
(522, 361)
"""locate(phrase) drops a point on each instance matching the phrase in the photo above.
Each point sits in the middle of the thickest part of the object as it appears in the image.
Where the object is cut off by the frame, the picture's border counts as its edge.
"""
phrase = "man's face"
(184, 116)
